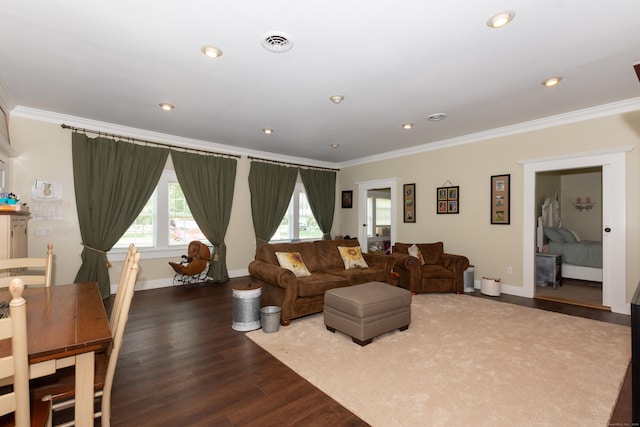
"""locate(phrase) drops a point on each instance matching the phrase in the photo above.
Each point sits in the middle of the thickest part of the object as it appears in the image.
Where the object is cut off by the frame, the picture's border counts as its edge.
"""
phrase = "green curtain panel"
(208, 184)
(320, 187)
(113, 181)
(271, 187)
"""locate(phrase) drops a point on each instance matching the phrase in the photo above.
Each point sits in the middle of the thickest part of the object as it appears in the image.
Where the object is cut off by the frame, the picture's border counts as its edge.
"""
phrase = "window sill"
(120, 254)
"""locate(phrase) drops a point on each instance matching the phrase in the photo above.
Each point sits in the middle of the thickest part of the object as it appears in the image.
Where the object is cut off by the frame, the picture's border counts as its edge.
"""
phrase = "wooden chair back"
(118, 336)
(14, 327)
(124, 276)
(16, 267)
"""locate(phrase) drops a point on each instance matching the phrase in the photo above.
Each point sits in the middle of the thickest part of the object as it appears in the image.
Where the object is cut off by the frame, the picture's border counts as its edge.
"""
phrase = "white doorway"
(613, 221)
(363, 193)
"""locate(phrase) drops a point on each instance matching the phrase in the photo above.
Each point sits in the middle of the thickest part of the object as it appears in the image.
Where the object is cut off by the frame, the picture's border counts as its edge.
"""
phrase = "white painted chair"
(15, 405)
(16, 267)
(60, 388)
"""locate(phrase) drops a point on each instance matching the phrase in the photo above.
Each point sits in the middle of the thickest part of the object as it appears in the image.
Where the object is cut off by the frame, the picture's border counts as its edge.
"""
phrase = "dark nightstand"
(548, 270)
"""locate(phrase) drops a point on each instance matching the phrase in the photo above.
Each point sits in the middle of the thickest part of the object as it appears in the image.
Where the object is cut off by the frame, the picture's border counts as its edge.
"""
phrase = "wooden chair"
(21, 264)
(16, 409)
(60, 388)
(122, 284)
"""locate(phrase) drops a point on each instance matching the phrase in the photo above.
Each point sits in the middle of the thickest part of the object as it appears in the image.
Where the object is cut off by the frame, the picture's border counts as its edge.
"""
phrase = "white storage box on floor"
(490, 286)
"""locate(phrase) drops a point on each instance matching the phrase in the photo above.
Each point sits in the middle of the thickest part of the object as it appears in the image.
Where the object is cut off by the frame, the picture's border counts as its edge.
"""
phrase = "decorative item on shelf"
(586, 206)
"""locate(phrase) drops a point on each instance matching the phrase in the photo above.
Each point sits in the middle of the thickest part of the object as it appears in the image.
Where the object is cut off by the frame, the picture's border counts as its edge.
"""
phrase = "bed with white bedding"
(581, 259)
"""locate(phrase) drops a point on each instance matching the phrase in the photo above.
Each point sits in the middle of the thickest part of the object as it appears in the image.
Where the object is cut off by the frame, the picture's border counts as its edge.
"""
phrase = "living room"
(491, 248)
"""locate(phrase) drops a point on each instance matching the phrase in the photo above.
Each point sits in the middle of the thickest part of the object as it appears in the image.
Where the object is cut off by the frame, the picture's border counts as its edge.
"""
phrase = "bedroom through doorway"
(569, 209)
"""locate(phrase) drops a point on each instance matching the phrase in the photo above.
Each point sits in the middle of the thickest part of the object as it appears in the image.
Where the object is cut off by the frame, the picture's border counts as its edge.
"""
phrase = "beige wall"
(493, 248)
(45, 153)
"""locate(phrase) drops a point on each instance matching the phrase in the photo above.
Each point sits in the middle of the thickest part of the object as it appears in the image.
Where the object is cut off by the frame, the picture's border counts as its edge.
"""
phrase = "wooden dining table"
(66, 326)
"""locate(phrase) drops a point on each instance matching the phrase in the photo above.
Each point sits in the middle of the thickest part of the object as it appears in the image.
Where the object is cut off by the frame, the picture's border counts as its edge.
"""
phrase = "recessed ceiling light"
(166, 106)
(211, 51)
(334, 145)
(407, 126)
(436, 117)
(267, 131)
(336, 99)
(501, 19)
(551, 81)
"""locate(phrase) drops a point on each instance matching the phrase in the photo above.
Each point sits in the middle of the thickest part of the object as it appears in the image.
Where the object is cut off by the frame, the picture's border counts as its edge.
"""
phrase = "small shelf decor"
(448, 200)
(583, 206)
(500, 199)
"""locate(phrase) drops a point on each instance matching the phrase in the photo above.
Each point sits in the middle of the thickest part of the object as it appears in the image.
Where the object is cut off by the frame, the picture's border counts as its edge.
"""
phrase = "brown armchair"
(441, 272)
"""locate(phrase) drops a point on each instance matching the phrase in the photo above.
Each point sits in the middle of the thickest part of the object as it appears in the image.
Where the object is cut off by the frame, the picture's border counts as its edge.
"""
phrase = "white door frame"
(614, 272)
(363, 188)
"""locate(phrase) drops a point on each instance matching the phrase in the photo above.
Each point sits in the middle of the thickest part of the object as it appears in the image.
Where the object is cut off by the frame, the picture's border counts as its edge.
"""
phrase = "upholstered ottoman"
(367, 310)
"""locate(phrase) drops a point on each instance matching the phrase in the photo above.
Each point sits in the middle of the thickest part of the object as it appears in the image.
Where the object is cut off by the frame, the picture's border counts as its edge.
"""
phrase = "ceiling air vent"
(277, 42)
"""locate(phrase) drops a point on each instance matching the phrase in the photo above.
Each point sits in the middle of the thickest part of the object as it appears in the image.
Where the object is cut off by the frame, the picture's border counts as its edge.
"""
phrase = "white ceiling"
(394, 61)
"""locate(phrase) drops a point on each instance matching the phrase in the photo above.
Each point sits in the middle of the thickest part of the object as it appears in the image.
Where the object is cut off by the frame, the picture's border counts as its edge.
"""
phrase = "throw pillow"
(352, 257)
(293, 261)
(414, 251)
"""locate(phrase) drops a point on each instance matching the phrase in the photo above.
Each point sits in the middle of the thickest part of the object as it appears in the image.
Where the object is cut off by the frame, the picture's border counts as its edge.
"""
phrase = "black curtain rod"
(160, 144)
(292, 164)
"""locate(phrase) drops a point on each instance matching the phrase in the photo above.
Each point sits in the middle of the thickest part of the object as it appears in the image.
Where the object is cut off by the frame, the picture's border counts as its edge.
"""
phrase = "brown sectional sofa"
(300, 296)
(442, 272)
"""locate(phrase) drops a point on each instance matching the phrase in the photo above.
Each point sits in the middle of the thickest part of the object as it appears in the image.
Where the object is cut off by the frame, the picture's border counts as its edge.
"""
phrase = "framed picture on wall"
(347, 199)
(448, 200)
(500, 200)
(409, 202)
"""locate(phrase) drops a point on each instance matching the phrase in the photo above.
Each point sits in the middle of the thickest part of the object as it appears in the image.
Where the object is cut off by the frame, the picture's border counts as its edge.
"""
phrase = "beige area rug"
(465, 361)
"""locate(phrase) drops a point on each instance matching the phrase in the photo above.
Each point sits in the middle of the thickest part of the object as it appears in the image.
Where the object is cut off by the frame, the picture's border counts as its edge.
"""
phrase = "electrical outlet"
(509, 270)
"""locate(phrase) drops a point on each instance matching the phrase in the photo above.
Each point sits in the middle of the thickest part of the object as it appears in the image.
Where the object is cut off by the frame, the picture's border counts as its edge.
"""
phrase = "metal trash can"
(246, 307)
(469, 279)
(270, 318)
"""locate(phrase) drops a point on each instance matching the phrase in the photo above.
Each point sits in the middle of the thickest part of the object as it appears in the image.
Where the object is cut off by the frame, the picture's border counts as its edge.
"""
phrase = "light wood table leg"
(85, 371)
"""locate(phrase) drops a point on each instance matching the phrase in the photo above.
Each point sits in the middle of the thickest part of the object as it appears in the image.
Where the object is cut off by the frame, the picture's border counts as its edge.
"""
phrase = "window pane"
(182, 227)
(284, 231)
(140, 233)
(307, 225)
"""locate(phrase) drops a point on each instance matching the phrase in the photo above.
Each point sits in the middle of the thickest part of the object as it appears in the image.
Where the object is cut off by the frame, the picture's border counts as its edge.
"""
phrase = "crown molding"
(605, 110)
(80, 122)
(620, 107)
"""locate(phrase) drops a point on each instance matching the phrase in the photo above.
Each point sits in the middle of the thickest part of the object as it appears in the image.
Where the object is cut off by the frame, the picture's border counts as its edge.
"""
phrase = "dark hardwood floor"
(182, 365)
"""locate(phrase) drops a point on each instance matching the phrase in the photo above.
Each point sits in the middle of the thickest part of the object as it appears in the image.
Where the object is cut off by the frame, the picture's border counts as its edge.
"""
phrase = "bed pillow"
(352, 257)
(567, 235)
(553, 234)
(293, 261)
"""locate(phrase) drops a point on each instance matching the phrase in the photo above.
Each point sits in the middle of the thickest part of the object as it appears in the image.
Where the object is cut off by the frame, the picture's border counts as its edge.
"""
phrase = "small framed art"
(347, 199)
(448, 200)
(500, 200)
(409, 202)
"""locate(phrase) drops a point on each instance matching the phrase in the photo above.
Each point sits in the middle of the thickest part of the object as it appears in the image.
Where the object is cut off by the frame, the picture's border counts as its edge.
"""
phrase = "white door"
(613, 221)
(363, 192)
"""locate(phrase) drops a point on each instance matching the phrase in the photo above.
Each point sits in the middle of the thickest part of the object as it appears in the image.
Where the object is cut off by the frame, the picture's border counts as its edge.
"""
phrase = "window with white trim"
(166, 221)
(298, 222)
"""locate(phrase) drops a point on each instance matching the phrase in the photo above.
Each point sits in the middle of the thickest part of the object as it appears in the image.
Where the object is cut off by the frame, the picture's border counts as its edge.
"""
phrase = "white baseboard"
(518, 291)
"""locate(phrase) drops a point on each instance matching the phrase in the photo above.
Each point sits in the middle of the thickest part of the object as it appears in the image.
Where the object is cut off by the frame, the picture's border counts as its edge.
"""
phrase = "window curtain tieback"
(99, 251)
